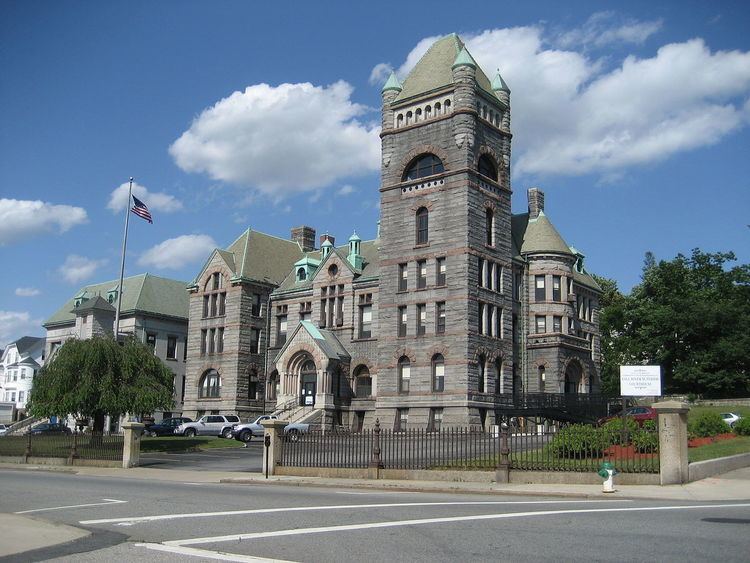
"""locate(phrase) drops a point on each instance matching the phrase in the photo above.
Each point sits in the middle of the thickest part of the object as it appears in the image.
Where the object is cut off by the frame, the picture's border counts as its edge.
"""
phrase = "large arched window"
(422, 166)
(480, 380)
(438, 373)
(214, 296)
(363, 382)
(404, 374)
(423, 225)
(572, 378)
(210, 385)
(487, 167)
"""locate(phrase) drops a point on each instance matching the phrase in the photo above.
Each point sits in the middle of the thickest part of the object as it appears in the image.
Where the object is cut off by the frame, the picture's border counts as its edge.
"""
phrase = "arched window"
(480, 379)
(437, 108)
(404, 374)
(542, 379)
(214, 296)
(422, 166)
(252, 385)
(417, 115)
(487, 167)
(363, 382)
(447, 106)
(273, 383)
(438, 373)
(408, 117)
(210, 384)
(489, 227)
(572, 378)
(301, 274)
(428, 112)
(400, 120)
(423, 225)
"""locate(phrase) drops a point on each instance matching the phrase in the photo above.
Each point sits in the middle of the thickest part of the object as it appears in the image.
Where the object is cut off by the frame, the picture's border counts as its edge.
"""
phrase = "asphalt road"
(138, 520)
(220, 459)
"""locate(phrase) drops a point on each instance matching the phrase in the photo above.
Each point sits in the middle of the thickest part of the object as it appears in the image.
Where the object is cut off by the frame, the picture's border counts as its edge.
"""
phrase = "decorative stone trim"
(422, 185)
(422, 149)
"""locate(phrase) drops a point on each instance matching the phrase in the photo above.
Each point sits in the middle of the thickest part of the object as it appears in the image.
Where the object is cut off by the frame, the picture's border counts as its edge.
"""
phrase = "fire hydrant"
(607, 472)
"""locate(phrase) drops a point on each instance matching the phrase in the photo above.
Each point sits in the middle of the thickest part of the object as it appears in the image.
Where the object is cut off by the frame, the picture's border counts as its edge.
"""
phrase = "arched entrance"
(572, 378)
(308, 381)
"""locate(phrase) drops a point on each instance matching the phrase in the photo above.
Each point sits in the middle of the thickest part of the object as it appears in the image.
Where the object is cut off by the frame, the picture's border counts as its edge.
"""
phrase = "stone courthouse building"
(457, 301)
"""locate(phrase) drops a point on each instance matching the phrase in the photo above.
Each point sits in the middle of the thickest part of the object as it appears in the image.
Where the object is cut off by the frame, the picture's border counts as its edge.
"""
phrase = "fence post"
(673, 442)
(73, 450)
(376, 464)
(27, 453)
(502, 471)
(272, 454)
(131, 451)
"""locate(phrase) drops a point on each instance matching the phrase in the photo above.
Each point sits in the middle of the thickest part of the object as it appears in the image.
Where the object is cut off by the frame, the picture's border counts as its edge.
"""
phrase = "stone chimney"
(536, 202)
(326, 237)
(305, 237)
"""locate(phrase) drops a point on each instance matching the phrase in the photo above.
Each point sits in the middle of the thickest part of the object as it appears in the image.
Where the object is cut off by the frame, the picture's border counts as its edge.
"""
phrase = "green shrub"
(708, 424)
(579, 440)
(650, 426)
(742, 427)
(613, 430)
(646, 439)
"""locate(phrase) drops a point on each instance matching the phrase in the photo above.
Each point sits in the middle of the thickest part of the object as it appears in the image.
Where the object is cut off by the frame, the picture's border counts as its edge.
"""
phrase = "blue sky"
(632, 117)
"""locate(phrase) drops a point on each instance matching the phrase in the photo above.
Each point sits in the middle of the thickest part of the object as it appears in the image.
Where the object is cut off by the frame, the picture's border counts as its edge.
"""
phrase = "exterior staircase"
(23, 426)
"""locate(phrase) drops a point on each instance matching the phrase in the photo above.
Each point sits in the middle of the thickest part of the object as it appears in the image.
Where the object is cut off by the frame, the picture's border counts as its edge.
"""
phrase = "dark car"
(165, 427)
(50, 428)
(639, 414)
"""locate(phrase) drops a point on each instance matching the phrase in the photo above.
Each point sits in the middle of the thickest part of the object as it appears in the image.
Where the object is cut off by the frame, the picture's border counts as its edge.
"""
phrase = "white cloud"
(602, 28)
(15, 324)
(175, 253)
(27, 292)
(155, 201)
(380, 73)
(281, 140)
(346, 190)
(76, 268)
(20, 219)
(574, 115)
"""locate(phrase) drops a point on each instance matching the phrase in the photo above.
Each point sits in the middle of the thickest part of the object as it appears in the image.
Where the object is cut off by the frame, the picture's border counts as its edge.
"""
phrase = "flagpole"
(122, 261)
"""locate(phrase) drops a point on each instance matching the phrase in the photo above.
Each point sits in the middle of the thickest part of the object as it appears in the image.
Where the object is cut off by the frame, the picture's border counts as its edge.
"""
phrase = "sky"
(633, 118)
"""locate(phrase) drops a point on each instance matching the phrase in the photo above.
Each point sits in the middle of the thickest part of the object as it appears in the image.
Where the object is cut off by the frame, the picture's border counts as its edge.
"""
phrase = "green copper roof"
(498, 84)
(435, 69)
(392, 83)
(90, 304)
(354, 237)
(262, 257)
(464, 59)
(541, 236)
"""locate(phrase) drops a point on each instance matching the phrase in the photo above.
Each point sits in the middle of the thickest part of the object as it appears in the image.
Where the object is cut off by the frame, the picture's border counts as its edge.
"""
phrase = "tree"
(691, 316)
(97, 377)
(611, 322)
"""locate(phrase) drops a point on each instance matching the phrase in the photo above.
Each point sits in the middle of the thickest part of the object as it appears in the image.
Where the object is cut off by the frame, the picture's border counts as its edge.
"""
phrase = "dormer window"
(301, 274)
(423, 166)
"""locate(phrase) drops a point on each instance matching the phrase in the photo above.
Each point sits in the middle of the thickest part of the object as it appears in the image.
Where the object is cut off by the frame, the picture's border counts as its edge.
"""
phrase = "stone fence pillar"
(131, 453)
(673, 442)
(272, 454)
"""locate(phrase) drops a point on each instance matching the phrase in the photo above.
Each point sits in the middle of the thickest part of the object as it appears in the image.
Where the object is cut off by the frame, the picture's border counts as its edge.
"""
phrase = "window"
(204, 341)
(498, 278)
(214, 299)
(305, 311)
(21, 396)
(421, 274)
(539, 293)
(301, 274)
(151, 340)
(219, 340)
(184, 350)
(518, 280)
(440, 271)
(541, 324)
(421, 318)
(402, 419)
(363, 382)
(171, 347)
(402, 319)
(211, 340)
(489, 274)
(480, 374)
(182, 391)
(487, 167)
(481, 307)
(252, 385)
(556, 295)
(255, 307)
(254, 340)
(498, 377)
(365, 316)
(423, 166)
(499, 323)
(438, 373)
(436, 420)
(542, 378)
(281, 324)
(404, 374)
(210, 385)
(480, 272)
(489, 227)
(403, 277)
(488, 317)
(422, 225)
(22, 373)
(440, 317)
(556, 324)
(222, 304)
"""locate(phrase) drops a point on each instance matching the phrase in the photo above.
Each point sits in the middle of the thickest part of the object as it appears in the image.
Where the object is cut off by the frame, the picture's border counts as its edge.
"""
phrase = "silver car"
(209, 425)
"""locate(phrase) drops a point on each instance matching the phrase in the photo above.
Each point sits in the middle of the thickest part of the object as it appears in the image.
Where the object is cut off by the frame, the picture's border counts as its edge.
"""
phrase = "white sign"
(640, 381)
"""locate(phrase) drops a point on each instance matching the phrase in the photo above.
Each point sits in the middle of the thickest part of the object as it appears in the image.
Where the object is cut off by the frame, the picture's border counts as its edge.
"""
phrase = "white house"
(20, 362)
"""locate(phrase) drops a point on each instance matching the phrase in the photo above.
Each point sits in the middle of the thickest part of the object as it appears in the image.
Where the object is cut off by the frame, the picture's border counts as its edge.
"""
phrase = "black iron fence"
(582, 449)
(106, 447)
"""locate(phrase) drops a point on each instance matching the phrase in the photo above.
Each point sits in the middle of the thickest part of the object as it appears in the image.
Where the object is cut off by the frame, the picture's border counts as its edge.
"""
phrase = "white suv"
(209, 425)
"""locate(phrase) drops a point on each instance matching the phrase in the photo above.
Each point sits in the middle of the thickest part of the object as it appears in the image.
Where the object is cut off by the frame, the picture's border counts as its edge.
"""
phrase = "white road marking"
(139, 519)
(206, 554)
(109, 501)
(391, 524)
(375, 493)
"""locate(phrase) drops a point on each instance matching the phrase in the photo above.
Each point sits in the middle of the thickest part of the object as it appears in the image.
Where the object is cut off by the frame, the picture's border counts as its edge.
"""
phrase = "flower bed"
(698, 442)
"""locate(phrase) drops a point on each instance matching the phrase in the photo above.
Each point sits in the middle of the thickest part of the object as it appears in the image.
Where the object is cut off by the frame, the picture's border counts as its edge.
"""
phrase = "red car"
(639, 414)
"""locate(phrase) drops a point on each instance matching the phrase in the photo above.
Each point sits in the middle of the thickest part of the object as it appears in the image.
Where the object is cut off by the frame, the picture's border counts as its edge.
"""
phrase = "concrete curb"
(702, 469)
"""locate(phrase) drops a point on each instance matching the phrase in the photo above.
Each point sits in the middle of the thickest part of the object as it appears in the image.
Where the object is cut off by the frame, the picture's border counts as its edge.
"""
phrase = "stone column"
(131, 452)
(673, 447)
(272, 454)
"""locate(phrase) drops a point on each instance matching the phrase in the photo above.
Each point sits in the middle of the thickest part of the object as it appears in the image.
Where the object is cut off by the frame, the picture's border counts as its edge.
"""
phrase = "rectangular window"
(440, 271)
(305, 311)
(184, 350)
(556, 291)
(403, 277)
(541, 324)
(182, 391)
(488, 274)
(22, 372)
(255, 307)
(421, 318)
(365, 316)
(206, 299)
(436, 420)
(171, 347)
(339, 311)
(421, 274)
(219, 340)
(556, 324)
(422, 227)
(280, 330)
(212, 341)
(489, 316)
(214, 303)
(481, 271)
(402, 320)
(499, 322)
(518, 280)
(481, 317)
(21, 396)
(323, 314)
(402, 419)
(438, 379)
(254, 340)
(440, 317)
(151, 340)
(539, 293)
(404, 379)
(204, 342)
(222, 304)
(498, 278)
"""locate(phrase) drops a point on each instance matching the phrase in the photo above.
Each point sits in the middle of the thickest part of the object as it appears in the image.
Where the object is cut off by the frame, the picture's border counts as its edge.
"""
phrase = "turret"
(354, 257)
(390, 91)
(502, 92)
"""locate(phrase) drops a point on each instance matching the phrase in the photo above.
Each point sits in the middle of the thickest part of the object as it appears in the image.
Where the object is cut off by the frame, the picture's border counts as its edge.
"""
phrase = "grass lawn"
(696, 410)
(177, 444)
(738, 445)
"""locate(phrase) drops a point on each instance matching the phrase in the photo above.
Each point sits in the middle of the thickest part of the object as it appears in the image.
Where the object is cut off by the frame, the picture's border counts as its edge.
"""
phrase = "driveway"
(219, 459)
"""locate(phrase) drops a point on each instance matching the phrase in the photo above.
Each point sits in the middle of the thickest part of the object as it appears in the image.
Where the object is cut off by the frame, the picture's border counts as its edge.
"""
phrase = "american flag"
(140, 209)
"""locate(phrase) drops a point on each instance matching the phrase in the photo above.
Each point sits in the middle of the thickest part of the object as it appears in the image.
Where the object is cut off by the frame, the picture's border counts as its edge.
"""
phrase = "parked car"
(245, 432)
(165, 427)
(730, 418)
(639, 414)
(48, 428)
(209, 425)
(3, 429)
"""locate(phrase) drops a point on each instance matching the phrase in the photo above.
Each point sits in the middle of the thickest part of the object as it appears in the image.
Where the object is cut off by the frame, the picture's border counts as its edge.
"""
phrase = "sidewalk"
(31, 533)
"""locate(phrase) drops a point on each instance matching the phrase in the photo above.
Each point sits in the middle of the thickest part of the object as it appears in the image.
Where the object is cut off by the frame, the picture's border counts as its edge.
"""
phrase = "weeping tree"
(98, 377)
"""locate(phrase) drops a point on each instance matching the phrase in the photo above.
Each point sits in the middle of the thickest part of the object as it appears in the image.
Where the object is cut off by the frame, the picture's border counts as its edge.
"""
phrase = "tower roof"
(498, 84)
(392, 83)
(435, 69)
(464, 59)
